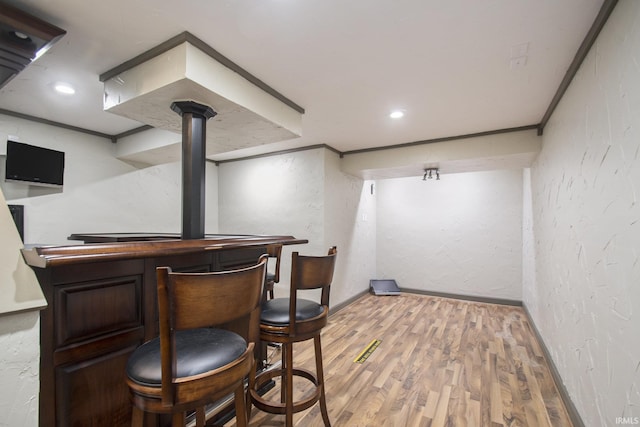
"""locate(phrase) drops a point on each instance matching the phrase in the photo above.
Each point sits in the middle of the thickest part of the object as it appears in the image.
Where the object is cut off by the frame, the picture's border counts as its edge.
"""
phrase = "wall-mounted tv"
(34, 165)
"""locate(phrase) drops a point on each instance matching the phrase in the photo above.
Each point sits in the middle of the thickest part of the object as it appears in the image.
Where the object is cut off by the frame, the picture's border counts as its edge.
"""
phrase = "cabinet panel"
(93, 393)
(102, 305)
(240, 258)
(90, 309)
(79, 273)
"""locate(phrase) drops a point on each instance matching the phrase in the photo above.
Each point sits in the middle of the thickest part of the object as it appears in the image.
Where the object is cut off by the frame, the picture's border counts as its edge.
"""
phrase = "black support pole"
(194, 132)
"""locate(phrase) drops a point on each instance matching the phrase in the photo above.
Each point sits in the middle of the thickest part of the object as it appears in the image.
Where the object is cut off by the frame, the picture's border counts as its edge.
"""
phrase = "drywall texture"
(350, 224)
(528, 237)
(586, 210)
(19, 287)
(19, 369)
(510, 150)
(274, 195)
(100, 193)
(279, 195)
(460, 235)
(303, 194)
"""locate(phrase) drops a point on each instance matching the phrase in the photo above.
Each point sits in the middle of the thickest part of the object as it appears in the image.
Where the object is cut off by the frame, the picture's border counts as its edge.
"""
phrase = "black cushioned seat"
(198, 351)
(292, 320)
(275, 312)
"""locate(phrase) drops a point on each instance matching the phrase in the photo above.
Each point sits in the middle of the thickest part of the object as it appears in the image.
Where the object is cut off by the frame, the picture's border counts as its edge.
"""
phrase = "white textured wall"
(279, 195)
(586, 189)
(303, 194)
(528, 239)
(460, 235)
(19, 330)
(19, 369)
(350, 224)
(100, 193)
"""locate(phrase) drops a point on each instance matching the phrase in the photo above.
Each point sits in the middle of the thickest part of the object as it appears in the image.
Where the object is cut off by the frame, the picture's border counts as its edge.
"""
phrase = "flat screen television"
(34, 165)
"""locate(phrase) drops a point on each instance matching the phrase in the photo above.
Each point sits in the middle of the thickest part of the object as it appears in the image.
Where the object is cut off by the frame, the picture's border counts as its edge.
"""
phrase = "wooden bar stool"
(290, 320)
(193, 363)
(273, 276)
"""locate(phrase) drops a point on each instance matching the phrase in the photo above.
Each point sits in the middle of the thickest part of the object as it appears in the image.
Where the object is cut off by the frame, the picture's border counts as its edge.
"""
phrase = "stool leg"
(201, 418)
(241, 408)
(283, 373)
(177, 419)
(250, 386)
(137, 417)
(320, 375)
(289, 381)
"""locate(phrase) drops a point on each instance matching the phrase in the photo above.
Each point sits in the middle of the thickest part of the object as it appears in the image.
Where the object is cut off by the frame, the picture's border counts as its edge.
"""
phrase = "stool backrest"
(199, 300)
(311, 272)
(275, 251)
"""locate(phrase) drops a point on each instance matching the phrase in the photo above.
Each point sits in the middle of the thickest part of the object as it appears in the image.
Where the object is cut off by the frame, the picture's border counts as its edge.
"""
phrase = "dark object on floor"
(384, 287)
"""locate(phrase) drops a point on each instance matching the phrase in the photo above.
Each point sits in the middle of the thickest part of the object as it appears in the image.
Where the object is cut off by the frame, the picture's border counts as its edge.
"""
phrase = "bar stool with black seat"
(291, 320)
(194, 361)
(273, 275)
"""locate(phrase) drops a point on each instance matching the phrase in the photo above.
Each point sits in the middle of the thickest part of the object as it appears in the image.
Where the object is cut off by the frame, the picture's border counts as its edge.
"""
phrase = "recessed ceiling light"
(64, 88)
(396, 114)
(21, 36)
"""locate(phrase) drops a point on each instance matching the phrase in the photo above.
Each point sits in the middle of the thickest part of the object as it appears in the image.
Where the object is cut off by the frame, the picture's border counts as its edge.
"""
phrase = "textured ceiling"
(455, 67)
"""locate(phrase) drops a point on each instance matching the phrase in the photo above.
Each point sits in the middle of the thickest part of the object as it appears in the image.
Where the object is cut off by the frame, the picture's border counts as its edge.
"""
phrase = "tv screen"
(35, 165)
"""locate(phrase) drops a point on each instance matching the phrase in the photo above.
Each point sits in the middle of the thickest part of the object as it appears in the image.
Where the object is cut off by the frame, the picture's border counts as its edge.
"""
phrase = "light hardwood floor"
(441, 362)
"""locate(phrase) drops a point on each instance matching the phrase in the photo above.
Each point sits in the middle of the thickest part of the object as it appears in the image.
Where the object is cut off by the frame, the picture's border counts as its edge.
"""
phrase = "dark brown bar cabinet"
(101, 306)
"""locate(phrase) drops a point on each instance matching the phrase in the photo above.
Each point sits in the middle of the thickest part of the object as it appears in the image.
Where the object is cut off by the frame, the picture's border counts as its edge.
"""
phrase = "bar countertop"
(141, 237)
(103, 305)
(116, 246)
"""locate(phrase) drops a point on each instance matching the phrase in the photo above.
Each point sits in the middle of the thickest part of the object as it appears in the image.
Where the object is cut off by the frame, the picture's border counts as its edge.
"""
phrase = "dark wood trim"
(141, 237)
(344, 304)
(114, 138)
(443, 139)
(144, 57)
(487, 300)
(131, 132)
(196, 42)
(583, 50)
(53, 256)
(277, 153)
(573, 413)
(16, 53)
(581, 54)
(235, 67)
(56, 124)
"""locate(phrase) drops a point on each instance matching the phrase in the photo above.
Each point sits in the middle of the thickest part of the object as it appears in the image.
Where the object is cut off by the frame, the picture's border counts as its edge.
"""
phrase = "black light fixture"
(428, 174)
(23, 38)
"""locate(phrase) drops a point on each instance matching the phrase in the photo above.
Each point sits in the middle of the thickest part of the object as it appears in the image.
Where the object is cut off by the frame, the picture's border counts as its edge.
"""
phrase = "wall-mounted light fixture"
(428, 174)
(23, 38)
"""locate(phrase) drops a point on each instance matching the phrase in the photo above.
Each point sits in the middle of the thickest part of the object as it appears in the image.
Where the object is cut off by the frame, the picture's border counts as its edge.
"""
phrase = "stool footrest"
(279, 407)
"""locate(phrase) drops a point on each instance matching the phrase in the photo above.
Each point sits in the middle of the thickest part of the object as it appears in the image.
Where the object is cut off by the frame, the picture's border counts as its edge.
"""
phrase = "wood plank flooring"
(441, 363)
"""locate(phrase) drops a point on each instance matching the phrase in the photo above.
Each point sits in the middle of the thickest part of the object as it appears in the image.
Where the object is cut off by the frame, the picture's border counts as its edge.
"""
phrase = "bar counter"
(102, 305)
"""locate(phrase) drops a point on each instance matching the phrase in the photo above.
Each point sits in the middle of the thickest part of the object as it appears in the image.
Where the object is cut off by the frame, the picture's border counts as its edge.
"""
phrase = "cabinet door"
(88, 310)
(93, 392)
(94, 322)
